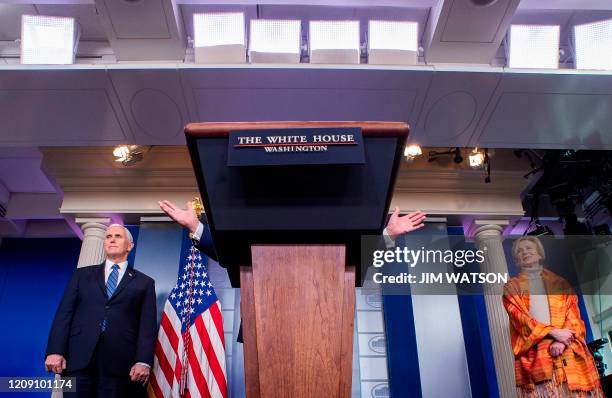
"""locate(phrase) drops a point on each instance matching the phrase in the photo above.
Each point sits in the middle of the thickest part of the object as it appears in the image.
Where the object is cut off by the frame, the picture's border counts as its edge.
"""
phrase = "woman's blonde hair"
(536, 241)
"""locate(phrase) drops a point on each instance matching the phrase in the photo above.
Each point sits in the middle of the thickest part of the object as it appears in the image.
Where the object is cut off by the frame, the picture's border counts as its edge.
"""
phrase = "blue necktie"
(111, 285)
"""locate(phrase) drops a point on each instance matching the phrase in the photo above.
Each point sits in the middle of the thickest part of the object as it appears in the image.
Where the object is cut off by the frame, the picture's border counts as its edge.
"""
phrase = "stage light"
(393, 43)
(533, 46)
(334, 42)
(128, 154)
(48, 40)
(593, 45)
(412, 151)
(219, 38)
(477, 159)
(274, 41)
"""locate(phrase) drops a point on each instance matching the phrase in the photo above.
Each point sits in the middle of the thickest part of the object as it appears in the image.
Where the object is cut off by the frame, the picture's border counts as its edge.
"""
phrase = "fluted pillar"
(92, 248)
(488, 237)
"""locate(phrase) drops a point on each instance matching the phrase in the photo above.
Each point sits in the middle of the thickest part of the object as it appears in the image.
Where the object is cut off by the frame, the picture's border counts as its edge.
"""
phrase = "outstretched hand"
(400, 225)
(186, 218)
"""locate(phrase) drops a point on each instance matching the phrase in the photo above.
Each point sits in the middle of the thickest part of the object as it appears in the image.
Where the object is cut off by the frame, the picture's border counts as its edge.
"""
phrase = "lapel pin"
(130, 274)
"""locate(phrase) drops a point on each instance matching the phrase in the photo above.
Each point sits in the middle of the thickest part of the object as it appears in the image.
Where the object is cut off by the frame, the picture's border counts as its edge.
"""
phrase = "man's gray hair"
(127, 231)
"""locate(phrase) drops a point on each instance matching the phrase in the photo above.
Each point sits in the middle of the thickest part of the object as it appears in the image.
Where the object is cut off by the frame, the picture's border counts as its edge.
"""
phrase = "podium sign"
(281, 147)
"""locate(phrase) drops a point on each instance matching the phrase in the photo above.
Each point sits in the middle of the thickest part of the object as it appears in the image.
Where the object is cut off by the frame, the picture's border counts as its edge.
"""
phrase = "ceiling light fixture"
(334, 42)
(593, 45)
(393, 43)
(533, 46)
(412, 151)
(128, 155)
(48, 40)
(476, 158)
(219, 38)
(273, 41)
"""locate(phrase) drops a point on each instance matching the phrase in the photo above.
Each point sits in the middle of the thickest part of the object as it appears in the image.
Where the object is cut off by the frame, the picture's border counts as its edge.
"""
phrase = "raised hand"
(400, 225)
(186, 218)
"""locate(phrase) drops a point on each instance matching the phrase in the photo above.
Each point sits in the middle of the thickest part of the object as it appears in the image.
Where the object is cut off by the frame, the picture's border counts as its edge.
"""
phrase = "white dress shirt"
(197, 235)
(108, 268)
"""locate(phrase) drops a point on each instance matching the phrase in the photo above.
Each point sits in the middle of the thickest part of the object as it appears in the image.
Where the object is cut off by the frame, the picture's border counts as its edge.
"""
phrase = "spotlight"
(275, 41)
(593, 45)
(48, 40)
(219, 38)
(128, 155)
(393, 43)
(533, 46)
(334, 42)
(412, 151)
(477, 159)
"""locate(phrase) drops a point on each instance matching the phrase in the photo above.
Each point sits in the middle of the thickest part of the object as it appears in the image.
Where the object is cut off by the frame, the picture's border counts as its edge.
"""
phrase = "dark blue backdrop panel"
(33, 275)
(402, 356)
(400, 334)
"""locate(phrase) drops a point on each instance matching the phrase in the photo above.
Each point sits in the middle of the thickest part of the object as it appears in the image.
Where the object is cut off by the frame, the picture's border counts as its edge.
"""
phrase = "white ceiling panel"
(455, 103)
(10, 19)
(558, 110)
(84, 14)
(60, 107)
(154, 104)
(143, 30)
(151, 14)
(459, 31)
(484, 29)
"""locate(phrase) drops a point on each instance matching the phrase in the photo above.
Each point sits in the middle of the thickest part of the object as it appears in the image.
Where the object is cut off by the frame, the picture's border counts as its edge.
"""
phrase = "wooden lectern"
(290, 238)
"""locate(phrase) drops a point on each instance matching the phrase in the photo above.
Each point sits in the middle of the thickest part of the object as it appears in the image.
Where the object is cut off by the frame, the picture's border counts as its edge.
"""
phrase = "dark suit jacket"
(206, 244)
(131, 317)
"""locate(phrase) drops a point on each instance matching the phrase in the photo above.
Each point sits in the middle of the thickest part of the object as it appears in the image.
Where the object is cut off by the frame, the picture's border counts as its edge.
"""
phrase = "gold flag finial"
(197, 206)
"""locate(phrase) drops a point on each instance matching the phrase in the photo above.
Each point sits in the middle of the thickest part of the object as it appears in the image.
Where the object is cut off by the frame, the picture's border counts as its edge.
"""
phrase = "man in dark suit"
(104, 330)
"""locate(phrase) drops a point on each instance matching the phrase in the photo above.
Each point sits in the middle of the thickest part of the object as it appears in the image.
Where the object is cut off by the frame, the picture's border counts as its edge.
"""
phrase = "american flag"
(190, 350)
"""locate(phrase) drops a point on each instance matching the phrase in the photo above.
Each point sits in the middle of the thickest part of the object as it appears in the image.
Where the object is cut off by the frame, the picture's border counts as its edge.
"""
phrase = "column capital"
(82, 221)
(92, 248)
(486, 227)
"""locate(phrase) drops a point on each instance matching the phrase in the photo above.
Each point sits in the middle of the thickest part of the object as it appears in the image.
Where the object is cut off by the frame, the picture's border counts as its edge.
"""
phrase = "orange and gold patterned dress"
(538, 374)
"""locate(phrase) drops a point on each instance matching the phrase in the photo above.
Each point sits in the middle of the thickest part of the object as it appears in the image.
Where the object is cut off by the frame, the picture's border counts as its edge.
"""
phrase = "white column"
(488, 237)
(92, 248)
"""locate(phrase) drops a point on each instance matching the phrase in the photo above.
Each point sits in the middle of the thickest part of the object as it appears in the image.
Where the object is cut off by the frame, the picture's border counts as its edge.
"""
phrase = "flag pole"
(199, 208)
